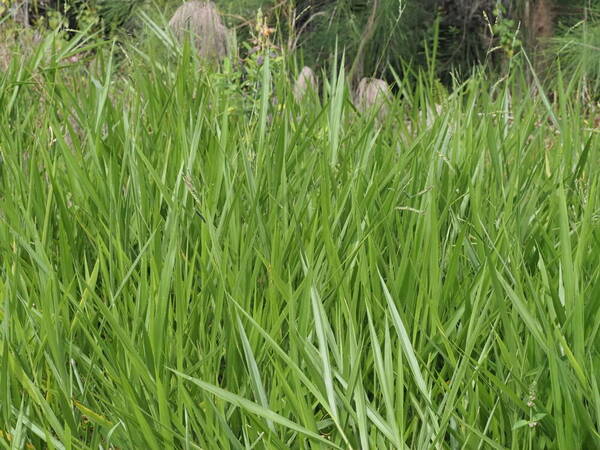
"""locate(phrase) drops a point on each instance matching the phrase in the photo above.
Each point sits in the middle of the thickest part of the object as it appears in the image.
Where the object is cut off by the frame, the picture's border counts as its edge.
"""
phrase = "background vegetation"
(381, 37)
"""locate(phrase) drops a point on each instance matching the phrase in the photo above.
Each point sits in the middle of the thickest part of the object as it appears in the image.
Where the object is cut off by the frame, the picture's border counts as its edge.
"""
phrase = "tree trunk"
(539, 17)
(540, 28)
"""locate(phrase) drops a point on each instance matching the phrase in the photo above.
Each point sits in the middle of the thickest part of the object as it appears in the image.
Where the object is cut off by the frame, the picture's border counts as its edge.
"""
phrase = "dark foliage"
(456, 27)
(377, 37)
(111, 14)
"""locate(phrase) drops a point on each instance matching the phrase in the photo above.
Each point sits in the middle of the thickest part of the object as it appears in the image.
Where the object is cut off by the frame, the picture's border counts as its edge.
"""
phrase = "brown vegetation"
(373, 94)
(306, 81)
(202, 23)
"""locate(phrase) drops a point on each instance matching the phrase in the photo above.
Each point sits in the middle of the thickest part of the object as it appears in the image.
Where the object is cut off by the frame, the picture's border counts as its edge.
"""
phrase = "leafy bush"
(72, 15)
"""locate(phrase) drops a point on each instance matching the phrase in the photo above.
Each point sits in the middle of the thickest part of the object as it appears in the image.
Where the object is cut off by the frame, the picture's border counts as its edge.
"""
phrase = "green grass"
(187, 265)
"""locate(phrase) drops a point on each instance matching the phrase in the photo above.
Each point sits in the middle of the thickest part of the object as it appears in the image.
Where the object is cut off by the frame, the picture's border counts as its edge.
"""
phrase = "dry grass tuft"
(202, 22)
(373, 94)
(306, 81)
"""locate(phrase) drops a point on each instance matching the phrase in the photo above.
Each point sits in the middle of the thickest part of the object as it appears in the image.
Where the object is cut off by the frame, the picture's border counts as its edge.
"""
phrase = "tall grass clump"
(181, 270)
(578, 51)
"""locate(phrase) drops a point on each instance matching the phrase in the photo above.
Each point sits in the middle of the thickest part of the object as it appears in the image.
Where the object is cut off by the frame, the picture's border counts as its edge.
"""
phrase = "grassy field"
(185, 264)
